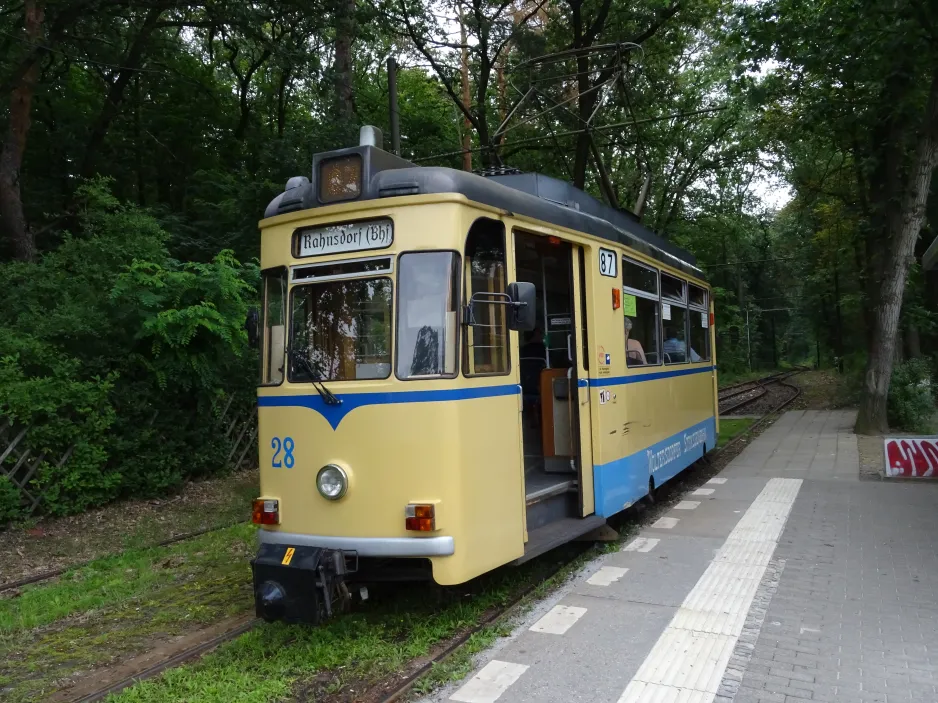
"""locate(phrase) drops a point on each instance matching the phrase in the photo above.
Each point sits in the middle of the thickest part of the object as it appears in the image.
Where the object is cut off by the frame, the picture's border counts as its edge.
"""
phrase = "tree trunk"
(12, 218)
(285, 77)
(903, 233)
(344, 75)
(138, 146)
(464, 79)
(586, 103)
(115, 95)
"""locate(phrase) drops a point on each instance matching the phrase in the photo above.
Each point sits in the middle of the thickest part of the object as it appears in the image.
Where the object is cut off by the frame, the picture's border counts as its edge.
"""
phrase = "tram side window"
(485, 345)
(274, 335)
(674, 320)
(426, 314)
(642, 322)
(699, 324)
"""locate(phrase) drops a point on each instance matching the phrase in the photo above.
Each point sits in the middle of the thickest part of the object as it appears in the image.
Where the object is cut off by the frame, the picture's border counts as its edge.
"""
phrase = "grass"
(114, 607)
(731, 379)
(381, 638)
(50, 543)
(356, 650)
(118, 606)
(730, 427)
(827, 389)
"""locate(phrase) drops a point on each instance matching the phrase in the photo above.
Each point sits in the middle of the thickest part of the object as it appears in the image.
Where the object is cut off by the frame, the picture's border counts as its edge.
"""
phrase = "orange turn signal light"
(420, 517)
(265, 512)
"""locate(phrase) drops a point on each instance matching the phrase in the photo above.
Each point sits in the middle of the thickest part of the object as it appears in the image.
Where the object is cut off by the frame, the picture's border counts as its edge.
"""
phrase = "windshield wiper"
(328, 397)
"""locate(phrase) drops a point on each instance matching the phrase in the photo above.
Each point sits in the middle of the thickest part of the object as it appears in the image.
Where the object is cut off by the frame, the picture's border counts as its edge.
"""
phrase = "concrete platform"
(785, 579)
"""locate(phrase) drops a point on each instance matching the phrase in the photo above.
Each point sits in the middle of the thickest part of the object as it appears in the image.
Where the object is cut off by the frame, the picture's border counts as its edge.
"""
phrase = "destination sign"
(351, 236)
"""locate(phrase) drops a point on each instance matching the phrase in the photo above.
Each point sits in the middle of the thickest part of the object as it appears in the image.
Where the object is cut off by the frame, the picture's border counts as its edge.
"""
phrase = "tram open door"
(554, 374)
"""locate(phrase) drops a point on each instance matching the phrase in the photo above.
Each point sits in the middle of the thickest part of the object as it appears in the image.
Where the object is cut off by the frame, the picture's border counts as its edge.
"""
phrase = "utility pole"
(467, 125)
(393, 107)
(748, 341)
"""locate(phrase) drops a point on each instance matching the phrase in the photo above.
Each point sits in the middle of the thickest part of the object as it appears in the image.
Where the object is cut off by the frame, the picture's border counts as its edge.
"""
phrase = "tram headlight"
(332, 482)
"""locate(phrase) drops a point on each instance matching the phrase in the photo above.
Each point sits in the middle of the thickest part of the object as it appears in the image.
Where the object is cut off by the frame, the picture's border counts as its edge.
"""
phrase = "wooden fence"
(20, 464)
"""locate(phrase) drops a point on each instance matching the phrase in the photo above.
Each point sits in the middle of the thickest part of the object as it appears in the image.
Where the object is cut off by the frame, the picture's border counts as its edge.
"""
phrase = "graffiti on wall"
(912, 457)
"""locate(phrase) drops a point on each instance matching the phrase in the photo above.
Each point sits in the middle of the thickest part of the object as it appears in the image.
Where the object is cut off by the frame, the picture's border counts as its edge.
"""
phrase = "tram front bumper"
(442, 546)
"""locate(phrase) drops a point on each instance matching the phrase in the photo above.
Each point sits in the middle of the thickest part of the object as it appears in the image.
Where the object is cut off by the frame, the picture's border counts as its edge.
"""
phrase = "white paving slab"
(641, 544)
(607, 575)
(490, 683)
(666, 523)
(560, 619)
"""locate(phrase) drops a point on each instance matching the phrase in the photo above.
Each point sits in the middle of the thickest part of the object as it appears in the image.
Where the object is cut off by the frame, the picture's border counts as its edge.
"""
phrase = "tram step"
(556, 533)
(542, 490)
(550, 508)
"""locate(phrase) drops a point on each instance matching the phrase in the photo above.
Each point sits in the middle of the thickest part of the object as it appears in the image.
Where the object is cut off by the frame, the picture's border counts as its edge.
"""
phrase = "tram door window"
(485, 349)
(642, 313)
(274, 336)
(674, 319)
(699, 324)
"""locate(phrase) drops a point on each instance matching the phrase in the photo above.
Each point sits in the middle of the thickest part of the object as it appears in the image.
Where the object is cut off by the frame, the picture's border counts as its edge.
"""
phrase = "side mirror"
(252, 326)
(523, 306)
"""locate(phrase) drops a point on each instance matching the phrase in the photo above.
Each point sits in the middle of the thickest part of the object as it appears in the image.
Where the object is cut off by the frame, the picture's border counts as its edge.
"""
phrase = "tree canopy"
(789, 144)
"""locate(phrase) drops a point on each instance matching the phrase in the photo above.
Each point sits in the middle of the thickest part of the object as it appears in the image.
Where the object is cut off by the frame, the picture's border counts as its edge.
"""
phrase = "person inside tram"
(675, 348)
(533, 360)
(534, 347)
(633, 348)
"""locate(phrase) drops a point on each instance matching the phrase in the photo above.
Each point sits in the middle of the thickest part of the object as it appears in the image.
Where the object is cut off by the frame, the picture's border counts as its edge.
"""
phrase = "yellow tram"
(461, 371)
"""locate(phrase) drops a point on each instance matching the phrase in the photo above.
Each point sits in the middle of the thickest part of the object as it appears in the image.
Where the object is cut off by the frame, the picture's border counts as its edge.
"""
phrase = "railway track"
(46, 575)
(734, 398)
(396, 690)
(244, 624)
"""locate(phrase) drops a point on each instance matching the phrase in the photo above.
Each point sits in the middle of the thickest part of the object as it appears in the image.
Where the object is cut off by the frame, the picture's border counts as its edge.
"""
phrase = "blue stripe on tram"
(619, 483)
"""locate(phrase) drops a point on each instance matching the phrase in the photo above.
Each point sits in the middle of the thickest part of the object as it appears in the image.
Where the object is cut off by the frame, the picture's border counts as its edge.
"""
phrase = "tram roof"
(533, 195)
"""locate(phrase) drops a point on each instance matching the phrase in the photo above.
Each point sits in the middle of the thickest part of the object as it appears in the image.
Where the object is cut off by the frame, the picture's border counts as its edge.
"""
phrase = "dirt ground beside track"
(47, 544)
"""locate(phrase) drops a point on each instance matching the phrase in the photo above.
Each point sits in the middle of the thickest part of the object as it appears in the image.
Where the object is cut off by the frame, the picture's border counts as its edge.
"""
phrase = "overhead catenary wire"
(617, 125)
(749, 261)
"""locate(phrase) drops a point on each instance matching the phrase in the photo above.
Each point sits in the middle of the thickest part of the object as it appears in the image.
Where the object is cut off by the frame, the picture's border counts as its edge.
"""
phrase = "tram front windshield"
(343, 329)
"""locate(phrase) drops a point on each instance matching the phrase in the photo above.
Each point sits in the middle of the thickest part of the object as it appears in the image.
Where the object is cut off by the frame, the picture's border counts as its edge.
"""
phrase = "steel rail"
(762, 385)
(170, 662)
(46, 575)
(745, 401)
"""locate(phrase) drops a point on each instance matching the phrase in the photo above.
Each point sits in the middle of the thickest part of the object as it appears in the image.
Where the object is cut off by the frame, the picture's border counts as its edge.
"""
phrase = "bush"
(911, 396)
(112, 349)
(9, 501)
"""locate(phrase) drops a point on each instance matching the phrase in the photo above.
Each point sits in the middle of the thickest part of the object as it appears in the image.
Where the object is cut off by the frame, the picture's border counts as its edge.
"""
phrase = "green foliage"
(9, 500)
(119, 342)
(114, 353)
(912, 396)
